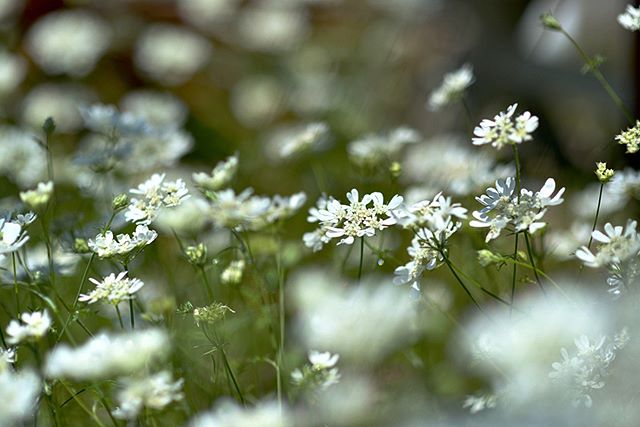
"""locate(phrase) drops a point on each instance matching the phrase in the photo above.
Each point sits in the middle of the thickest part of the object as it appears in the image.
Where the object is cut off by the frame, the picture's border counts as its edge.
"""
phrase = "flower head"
(630, 138)
(112, 289)
(32, 326)
(630, 19)
(452, 88)
(504, 129)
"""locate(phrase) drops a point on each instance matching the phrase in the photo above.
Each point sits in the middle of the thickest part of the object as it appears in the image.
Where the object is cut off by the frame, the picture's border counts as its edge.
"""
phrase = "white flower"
(452, 88)
(159, 109)
(23, 160)
(630, 137)
(297, 140)
(630, 19)
(107, 120)
(12, 71)
(7, 357)
(231, 414)
(323, 360)
(171, 54)
(618, 245)
(155, 194)
(242, 211)
(39, 197)
(19, 393)
(105, 356)
(56, 100)
(372, 150)
(33, 326)
(233, 273)
(220, 176)
(359, 218)
(12, 237)
(68, 42)
(106, 246)
(272, 27)
(502, 130)
(153, 392)
(112, 289)
(480, 403)
(502, 207)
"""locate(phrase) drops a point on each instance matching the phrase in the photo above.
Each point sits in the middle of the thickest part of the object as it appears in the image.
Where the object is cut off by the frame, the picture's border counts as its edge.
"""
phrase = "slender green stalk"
(108, 409)
(533, 264)
(592, 66)
(74, 396)
(207, 284)
(361, 259)
(281, 315)
(595, 220)
(131, 315)
(515, 241)
(453, 271)
(479, 286)
(15, 283)
(542, 273)
(119, 315)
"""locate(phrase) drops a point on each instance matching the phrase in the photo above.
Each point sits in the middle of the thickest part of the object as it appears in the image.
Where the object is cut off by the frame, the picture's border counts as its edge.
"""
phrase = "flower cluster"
(503, 206)
(360, 218)
(220, 176)
(38, 197)
(32, 326)
(604, 175)
(12, 237)
(373, 150)
(320, 373)
(504, 130)
(452, 88)
(630, 138)
(153, 392)
(433, 222)
(155, 194)
(112, 289)
(584, 371)
(617, 250)
(105, 245)
(630, 19)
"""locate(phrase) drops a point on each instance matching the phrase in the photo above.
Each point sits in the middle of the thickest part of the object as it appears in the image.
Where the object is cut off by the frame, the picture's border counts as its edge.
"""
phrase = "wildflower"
(630, 137)
(159, 109)
(23, 160)
(229, 413)
(604, 175)
(27, 219)
(502, 207)
(445, 163)
(12, 237)
(486, 257)
(550, 22)
(113, 289)
(106, 246)
(284, 207)
(480, 402)
(232, 275)
(220, 176)
(19, 393)
(585, 371)
(68, 42)
(321, 373)
(57, 100)
(211, 313)
(452, 88)
(12, 71)
(154, 195)
(170, 54)
(196, 255)
(7, 357)
(105, 356)
(107, 120)
(359, 218)
(156, 391)
(503, 130)
(297, 140)
(32, 326)
(373, 150)
(630, 19)
(274, 28)
(120, 202)
(360, 323)
(39, 197)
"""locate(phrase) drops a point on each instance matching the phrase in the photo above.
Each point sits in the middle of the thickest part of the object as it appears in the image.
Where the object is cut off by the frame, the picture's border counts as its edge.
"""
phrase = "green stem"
(533, 264)
(119, 316)
(15, 283)
(131, 315)
(589, 62)
(281, 314)
(453, 271)
(74, 396)
(515, 243)
(595, 220)
(207, 284)
(361, 259)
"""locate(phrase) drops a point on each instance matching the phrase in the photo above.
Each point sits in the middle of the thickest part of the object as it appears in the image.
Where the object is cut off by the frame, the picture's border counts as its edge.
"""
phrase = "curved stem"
(361, 259)
(595, 220)
(533, 264)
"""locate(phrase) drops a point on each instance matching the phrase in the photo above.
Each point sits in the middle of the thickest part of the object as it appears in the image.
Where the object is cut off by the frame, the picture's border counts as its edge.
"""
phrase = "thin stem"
(207, 284)
(533, 264)
(478, 285)
(593, 68)
(74, 396)
(361, 259)
(131, 315)
(75, 301)
(542, 273)
(15, 283)
(119, 315)
(453, 271)
(595, 220)
(281, 316)
(515, 243)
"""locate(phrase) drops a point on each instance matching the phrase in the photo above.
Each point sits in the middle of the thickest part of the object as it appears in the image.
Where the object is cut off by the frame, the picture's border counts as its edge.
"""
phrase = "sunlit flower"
(630, 138)
(452, 88)
(112, 289)
(220, 176)
(153, 392)
(504, 130)
(38, 197)
(32, 326)
(105, 245)
(630, 19)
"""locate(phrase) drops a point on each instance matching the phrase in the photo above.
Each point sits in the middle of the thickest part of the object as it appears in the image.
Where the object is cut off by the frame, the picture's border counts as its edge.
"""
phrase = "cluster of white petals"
(505, 129)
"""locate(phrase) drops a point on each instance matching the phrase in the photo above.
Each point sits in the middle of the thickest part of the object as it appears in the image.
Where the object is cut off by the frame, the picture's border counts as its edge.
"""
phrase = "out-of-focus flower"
(153, 392)
(230, 414)
(372, 150)
(205, 14)
(257, 100)
(452, 88)
(297, 140)
(232, 275)
(32, 326)
(68, 42)
(504, 130)
(7, 357)
(22, 160)
(159, 109)
(106, 356)
(12, 237)
(272, 26)
(171, 54)
(38, 197)
(320, 373)
(59, 101)
(220, 176)
(19, 393)
(630, 19)
(12, 71)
